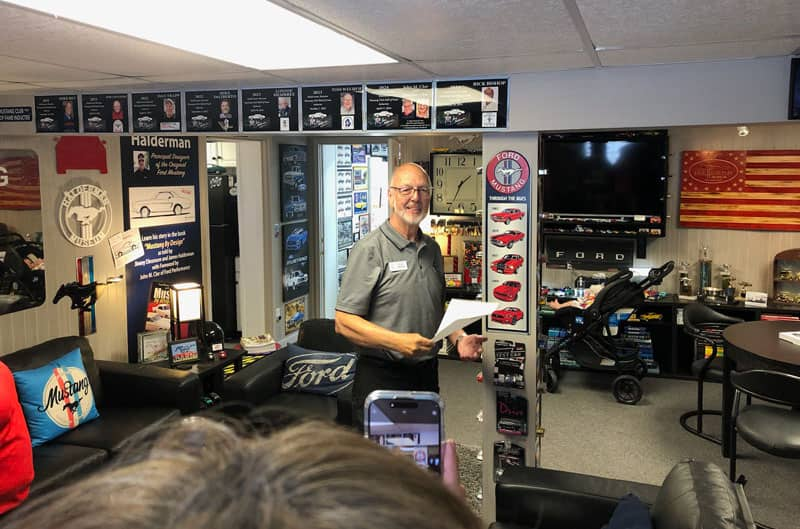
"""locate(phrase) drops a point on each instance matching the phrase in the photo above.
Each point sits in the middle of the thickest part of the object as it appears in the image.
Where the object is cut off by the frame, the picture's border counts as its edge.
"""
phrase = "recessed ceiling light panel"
(252, 33)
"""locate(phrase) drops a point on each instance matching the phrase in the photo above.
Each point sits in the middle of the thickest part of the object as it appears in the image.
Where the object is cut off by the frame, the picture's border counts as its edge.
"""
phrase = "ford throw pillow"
(56, 397)
(310, 371)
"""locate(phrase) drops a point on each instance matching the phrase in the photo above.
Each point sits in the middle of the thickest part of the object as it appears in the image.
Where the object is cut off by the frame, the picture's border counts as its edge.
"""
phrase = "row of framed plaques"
(466, 104)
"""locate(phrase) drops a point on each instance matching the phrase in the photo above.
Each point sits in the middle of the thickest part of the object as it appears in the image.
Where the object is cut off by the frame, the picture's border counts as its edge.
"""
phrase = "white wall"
(703, 93)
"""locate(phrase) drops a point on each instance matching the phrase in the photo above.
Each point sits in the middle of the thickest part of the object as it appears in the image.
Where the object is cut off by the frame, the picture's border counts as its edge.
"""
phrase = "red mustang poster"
(741, 190)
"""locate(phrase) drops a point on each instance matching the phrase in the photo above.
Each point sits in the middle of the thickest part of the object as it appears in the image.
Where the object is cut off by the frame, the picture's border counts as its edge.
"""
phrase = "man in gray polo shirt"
(392, 298)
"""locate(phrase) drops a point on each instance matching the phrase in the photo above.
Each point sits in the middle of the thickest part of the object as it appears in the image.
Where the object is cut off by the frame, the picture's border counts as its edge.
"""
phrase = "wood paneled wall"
(32, 326)
(750, 253)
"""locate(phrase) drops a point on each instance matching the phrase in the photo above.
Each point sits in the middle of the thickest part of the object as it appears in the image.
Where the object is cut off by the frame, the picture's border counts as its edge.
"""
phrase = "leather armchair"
(260, 383)
(694, 494)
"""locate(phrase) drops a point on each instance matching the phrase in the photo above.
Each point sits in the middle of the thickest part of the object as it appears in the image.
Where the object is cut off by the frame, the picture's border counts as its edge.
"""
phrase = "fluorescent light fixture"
(252, 33)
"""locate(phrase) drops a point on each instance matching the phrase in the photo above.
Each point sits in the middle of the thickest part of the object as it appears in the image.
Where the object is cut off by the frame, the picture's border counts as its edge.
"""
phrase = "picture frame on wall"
(153, 346)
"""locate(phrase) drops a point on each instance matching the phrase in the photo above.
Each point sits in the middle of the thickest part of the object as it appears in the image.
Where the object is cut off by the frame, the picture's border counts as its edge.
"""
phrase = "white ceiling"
(429, 38)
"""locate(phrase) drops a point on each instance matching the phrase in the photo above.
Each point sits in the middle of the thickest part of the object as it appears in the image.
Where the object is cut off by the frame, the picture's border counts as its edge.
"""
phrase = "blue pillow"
(630, 513)
(310, 371)
(56, 397)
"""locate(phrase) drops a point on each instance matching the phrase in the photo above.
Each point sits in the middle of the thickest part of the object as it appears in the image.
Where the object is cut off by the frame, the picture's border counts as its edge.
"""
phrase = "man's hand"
(470, 346)
(413, 344)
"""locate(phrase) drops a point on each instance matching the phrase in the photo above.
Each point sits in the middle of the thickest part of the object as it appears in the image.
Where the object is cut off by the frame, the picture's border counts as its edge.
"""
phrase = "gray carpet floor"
(588, 432)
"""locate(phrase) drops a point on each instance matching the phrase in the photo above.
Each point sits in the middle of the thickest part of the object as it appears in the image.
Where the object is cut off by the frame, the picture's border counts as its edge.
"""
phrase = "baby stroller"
(590, 341)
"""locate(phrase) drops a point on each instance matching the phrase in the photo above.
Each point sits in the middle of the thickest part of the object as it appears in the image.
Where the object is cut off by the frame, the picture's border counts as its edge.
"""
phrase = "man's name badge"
(397, 266)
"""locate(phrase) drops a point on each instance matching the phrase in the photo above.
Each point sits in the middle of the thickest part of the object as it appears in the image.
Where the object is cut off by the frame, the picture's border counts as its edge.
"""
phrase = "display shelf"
(786, 277)
(672, 347)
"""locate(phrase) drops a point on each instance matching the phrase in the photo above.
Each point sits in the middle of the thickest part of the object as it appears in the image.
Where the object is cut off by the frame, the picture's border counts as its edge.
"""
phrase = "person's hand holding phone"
(450, 468)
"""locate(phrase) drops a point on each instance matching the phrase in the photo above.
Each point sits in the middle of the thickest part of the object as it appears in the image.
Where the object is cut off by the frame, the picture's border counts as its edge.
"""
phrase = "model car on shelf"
(507, 291)
(651, 316)
(507, 215)
(296, 239)
(164, 203)
(507, 238)
(508, 264)
(507, 315)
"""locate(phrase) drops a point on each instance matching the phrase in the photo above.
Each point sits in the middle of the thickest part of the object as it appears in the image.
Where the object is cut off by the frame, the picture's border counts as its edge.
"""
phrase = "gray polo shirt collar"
(397, 239)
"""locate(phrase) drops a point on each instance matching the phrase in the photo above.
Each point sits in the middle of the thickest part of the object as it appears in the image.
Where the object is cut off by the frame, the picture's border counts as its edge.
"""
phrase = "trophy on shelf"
(684, 282)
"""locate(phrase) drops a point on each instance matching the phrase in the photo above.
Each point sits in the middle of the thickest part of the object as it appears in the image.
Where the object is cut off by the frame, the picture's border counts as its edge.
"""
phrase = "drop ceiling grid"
(336, 74)
(700, 52)
(509, 65)
(442, 30)
(659, 23)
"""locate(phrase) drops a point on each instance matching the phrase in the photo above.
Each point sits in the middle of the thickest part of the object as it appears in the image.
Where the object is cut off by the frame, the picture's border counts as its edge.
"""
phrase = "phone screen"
(410, 426)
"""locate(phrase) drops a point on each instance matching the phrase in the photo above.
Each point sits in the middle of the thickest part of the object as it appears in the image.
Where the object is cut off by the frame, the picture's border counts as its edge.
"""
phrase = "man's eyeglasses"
(407, 191)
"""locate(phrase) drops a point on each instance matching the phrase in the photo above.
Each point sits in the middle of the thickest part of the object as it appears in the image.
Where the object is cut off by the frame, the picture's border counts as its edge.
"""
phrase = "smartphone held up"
(410, 422)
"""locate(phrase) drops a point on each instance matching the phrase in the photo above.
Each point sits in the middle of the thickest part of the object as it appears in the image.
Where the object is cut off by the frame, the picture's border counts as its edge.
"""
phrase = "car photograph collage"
(507, 227)
(294, 227)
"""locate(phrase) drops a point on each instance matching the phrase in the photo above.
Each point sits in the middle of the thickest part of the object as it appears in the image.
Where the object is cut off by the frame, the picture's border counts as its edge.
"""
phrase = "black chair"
(705, 325)
(772, 429)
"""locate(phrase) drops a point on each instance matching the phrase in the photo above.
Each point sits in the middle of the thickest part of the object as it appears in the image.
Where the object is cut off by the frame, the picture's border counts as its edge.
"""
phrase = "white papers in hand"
(460, 313)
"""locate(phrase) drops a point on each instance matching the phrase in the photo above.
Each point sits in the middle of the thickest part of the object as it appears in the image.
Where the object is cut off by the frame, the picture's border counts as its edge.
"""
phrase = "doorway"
(355, 179)
(223, 191)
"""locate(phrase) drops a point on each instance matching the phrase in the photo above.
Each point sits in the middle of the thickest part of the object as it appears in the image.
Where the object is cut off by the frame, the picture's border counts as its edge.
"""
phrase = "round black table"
(754, 345)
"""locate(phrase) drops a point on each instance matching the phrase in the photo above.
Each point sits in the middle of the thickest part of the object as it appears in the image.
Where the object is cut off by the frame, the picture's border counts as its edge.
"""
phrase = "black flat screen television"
(615, 178)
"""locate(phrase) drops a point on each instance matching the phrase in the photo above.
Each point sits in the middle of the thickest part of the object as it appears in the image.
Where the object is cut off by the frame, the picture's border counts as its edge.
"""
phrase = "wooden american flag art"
(741, 190)
(19, 180)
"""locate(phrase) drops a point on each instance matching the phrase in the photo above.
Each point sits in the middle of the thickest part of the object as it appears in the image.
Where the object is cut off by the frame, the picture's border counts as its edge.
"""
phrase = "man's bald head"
(409, 169)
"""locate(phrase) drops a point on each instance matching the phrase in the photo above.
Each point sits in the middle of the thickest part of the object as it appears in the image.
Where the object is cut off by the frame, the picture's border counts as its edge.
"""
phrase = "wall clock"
(457, 180)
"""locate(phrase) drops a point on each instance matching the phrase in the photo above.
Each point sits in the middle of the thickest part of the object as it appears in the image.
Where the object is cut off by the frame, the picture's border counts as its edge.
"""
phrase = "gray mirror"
(21, 249)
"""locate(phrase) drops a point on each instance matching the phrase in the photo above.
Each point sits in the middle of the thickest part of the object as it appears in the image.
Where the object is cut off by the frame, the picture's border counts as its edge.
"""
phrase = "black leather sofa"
(694, 495)
(260, 383)
(129, 397)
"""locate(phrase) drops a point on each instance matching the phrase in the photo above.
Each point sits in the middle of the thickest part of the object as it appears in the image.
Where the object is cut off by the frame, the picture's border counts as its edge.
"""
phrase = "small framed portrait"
(183, 352)
(153, 346)
(489, 96)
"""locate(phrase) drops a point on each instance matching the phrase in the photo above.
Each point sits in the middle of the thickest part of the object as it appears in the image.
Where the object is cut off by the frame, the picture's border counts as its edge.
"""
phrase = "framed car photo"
(153, 346)
(183, 352)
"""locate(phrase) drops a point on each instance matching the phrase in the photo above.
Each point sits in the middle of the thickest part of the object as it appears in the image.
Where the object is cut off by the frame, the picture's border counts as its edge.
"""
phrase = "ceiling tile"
(375, 72)
(17, 87)
(254, 75)
(509, 65)
(655, 23)
(117, 82)
(439, 30)
(702, 52)
(21, 70)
